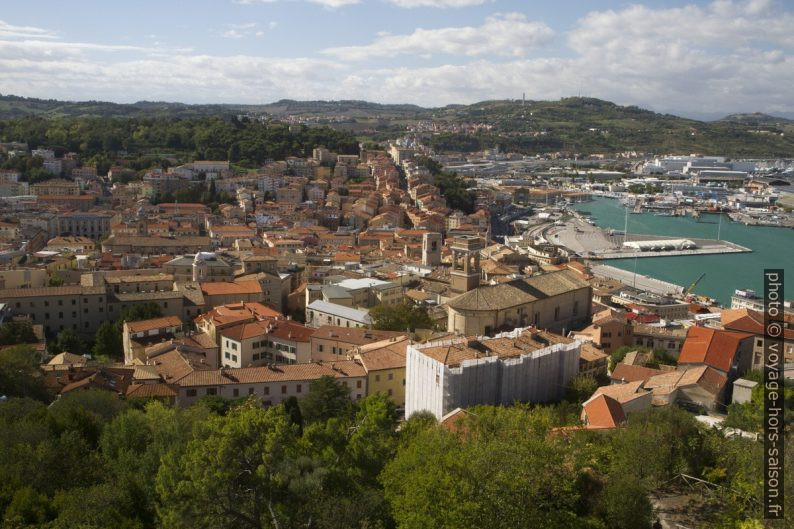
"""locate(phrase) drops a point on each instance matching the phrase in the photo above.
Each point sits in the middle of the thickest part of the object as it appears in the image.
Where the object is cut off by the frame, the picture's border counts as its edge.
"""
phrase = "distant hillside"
(588, 125)
(756, 118)
(574, 124)
(15, 107)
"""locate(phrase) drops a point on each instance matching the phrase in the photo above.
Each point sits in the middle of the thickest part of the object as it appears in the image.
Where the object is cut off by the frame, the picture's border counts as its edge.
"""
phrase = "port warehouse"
(661, 245)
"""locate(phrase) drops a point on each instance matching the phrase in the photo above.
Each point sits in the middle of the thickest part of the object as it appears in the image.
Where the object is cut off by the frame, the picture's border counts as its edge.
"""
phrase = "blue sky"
(685, 57)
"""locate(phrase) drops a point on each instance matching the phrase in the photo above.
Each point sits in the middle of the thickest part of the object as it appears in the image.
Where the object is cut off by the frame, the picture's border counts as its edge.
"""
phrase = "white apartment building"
(524, 365)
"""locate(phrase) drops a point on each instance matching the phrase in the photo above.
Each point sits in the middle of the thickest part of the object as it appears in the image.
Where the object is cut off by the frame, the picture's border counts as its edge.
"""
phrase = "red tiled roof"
(151, 390)
(630, 373)
(221, 288)
(711, 347)
(277, 373)
(604, 412)
(154, 323)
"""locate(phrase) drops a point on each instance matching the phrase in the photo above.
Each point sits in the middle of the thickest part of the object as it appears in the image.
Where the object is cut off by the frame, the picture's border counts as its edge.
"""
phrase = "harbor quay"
(586, 240)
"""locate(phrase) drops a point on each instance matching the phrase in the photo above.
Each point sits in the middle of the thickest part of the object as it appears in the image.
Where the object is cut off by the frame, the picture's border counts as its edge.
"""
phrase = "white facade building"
(525, 365)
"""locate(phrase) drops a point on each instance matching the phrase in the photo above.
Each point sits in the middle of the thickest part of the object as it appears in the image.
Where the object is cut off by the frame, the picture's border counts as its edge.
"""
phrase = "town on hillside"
(439, 283)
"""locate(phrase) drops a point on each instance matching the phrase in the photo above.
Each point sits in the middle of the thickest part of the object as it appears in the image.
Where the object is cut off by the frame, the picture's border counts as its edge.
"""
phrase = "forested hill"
(588, 125)
(574, 124)
(16, 107)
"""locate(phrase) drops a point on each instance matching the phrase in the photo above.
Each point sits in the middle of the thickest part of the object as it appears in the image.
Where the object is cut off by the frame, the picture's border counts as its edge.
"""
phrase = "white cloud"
(11, 31)
(438, 3)
(331, 4)
(509, 34)
(239, 31)
(724, 57)
(232, 34)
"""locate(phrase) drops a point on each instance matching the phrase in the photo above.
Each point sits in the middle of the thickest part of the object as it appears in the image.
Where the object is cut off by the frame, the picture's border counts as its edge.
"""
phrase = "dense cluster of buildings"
(276, 288)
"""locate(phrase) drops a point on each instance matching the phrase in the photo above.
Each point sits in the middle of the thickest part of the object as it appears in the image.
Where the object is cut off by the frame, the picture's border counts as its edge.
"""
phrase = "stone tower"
(431, 249)
(465, 272)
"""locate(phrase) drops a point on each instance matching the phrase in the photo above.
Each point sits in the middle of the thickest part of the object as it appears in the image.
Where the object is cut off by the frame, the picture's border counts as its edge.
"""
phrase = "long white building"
(524, 365)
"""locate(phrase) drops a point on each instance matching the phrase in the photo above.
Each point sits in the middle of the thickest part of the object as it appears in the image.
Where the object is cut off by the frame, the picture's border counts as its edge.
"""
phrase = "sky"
(693, 58)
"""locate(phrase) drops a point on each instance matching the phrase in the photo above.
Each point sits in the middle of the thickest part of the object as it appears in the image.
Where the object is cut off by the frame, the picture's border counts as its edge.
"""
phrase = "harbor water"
(772, 248)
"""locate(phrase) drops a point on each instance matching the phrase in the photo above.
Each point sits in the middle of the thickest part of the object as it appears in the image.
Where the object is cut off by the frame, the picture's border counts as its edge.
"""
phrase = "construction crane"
(693, 285)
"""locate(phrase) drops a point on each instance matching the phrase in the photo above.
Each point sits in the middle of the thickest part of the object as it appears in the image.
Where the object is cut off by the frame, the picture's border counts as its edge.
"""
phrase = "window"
(333, 349)
(556, 313)
(234, 346)
(74, 314)
(267, 390)
(250, 391)
(390, 393)
(46, 303)
(60, 315)
(32, 304)
(226, 355)
(191, 393)
(234, 358)
(74, 302)
(212, 391)
(298, 388)
(320, 348)
(165, 304)
(283, 389)
(60, 303)
(576, 307)
(605, 335)
(391, 376)
(236, 392)
(255, 356)
(358, 383)
(85, 310)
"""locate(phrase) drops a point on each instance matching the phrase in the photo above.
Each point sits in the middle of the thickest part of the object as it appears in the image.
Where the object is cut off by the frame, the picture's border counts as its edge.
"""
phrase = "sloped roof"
(276, 373)
(469, 348)
(748, 320)
(631, 373)
(603, 411)
(223, 288)
(67, 358)
(151, 390)
(348, 313)
(386, 354)
(154, 323)
(711, 347)
(623, 393)
(518, 291)
(353, 335)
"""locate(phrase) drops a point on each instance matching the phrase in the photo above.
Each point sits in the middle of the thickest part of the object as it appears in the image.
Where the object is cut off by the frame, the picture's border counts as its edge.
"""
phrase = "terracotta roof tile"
(604, 412)
(711, 347)
(154, 323)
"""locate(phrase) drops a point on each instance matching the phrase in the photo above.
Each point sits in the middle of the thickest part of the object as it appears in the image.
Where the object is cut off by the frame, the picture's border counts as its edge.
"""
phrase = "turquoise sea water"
(772, 248)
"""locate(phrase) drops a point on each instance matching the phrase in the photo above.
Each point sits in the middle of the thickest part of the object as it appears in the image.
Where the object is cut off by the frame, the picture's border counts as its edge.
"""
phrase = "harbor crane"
(693, 285)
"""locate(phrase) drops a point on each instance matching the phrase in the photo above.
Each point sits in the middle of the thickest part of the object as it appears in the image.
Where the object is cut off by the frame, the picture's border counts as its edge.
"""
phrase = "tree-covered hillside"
(574, 124)
(104, 140)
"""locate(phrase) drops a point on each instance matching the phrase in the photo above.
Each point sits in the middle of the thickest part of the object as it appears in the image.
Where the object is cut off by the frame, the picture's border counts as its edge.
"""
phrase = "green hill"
(575, 124)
